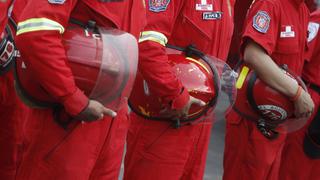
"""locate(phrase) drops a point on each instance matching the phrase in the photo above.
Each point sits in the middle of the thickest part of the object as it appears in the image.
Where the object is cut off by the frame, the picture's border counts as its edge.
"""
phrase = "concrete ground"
(214, 167)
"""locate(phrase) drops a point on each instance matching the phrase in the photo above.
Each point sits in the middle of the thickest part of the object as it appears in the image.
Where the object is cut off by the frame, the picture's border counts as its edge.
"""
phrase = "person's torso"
(208, 24)
(292, 34)
(128, 16)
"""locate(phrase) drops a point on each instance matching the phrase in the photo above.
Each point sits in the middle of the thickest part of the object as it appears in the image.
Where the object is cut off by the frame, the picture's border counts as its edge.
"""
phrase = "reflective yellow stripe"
(153, 36)
(243, 74)
(39, 24)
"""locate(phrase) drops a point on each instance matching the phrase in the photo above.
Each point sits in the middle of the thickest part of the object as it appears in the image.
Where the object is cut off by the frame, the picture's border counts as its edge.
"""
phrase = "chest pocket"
(192, 29)
(288, 40)
(288, 46)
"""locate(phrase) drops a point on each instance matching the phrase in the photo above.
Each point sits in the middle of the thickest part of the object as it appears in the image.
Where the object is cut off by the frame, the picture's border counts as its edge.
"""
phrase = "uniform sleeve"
(262, 25)
(39, 33)
(313, 38)
(153, 61)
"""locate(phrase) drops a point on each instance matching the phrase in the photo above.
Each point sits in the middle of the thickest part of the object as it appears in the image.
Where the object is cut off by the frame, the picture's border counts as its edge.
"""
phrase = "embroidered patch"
(158, 5)
(288, 32)
(313, 29)
(211, 15)
(204, 6)
(56, 1)
(261, 21)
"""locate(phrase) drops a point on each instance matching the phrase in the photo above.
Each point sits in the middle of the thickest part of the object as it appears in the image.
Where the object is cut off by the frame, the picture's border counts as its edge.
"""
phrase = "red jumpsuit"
(12, 112)
(154, 149)
(82, 151)
(280, 27)
(295, 164)
(240, 11)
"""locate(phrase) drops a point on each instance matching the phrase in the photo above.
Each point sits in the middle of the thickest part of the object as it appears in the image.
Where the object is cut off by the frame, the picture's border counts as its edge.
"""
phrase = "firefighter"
(274, 35)
(12, 111)
(301, 159)
(59, 141)
(156, 150)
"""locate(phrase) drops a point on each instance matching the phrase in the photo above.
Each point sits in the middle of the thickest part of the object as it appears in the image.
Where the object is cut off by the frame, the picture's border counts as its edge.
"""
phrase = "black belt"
(312, 86)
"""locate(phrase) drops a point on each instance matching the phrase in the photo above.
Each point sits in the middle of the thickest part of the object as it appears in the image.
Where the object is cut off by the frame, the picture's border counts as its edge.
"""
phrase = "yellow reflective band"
(243, 74)
(199, 63)
(153, 36)
(39, 24)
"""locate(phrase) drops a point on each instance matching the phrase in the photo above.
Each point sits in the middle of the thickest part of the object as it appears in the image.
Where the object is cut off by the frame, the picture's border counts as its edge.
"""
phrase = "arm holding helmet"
(39, 41)
(271, 74)
(259, 42)
(153, 61)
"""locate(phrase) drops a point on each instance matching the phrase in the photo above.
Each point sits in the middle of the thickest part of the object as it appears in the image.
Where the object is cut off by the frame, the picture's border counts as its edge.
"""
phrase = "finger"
(199, 102)
(109, 112)
(101, 116)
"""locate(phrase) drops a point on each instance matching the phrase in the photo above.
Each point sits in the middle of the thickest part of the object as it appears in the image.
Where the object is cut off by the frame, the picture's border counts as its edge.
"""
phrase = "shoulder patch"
(158, 5)
(261, 21)
(56, 1)
(313, 29)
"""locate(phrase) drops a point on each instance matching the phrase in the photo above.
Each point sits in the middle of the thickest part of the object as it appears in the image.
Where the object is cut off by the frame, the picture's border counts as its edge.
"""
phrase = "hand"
(303, 105)
(95, 111)
(182, 113)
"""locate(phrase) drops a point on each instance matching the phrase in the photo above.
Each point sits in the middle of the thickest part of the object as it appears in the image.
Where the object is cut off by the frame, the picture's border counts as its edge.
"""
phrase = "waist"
(312, 86)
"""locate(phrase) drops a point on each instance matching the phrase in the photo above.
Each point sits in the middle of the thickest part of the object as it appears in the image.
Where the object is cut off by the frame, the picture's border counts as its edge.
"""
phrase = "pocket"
(193, 19)
(79, 146)
(287, 46)
(192, 29)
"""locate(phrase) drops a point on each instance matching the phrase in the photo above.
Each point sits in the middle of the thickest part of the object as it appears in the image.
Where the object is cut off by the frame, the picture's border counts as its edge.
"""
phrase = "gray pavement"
(214, 166)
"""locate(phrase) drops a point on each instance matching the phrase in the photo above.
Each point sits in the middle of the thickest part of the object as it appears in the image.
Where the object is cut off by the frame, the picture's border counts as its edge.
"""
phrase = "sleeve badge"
(261, 22)
(313, 29)
(158, 5)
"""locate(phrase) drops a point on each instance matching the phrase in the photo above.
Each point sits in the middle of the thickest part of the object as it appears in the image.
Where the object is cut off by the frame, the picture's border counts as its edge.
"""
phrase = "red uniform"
(155, 150)
(295, 164)
(280, 27)
(11, 113)
(240, 11)
(82, 151)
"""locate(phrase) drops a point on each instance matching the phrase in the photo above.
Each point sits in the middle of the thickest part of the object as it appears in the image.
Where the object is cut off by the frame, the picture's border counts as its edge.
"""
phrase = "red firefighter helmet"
(103, 63)
(258, 102)
(200, 77)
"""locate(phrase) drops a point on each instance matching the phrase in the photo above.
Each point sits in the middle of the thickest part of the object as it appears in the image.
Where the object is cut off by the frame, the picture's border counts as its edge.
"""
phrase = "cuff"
(75, 103)
(180, 101)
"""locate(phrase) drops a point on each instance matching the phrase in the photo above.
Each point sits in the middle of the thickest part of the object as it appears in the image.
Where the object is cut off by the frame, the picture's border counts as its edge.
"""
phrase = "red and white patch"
(7, 53)
(261, 21)
(204, 5)
(313, 29)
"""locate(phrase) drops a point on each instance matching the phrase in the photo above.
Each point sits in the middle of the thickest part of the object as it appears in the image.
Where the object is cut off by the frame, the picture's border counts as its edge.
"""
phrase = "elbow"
(253, 54)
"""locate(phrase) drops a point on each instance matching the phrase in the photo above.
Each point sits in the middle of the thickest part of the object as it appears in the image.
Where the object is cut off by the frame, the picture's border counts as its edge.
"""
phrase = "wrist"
(297, 94)
(180, 101)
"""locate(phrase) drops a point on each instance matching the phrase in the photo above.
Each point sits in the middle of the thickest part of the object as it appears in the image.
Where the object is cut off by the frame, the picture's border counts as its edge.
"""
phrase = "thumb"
(198, 101)
(109, 112)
